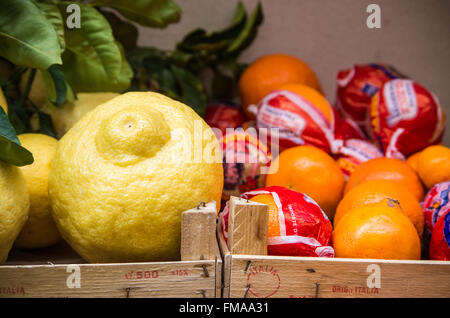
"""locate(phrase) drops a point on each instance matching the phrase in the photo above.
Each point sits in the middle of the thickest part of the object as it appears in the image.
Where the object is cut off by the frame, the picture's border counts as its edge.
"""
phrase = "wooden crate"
(59, 272)
(247, 275)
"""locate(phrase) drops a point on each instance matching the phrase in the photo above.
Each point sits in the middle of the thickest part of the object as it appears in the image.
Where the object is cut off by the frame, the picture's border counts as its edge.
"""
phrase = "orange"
(388, 169)
(374, 191)
(274, 221)
(412, 160)
(377, 231)
(433, 165)
(269, 72)
(309, 170)
(312, 96)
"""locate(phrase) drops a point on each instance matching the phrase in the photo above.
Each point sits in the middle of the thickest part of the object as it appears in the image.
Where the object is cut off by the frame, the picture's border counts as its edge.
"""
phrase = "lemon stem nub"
(131, 135)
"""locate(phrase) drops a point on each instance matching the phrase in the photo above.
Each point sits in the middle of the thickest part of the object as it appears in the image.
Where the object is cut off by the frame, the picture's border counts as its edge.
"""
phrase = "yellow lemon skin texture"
(14, 206)
(67, 115)
(120, 178)
(40, 229)
(3, 102)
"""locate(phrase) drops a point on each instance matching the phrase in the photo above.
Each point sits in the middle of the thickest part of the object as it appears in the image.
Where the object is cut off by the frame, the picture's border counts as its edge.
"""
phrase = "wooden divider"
(247, 227)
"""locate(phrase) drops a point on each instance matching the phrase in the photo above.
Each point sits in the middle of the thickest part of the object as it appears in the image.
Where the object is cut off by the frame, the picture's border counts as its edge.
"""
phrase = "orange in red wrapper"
(299, 122)
(297, 225)
(244, 157)
(223, 116)
(346, 128)
(435, 204)
(440, 239)
(354, 152)
(405, 118)
(357, 85)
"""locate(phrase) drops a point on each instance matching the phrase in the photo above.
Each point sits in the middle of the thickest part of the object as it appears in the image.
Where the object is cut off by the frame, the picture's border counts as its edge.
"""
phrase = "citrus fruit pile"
(373, 162)
(367, 177)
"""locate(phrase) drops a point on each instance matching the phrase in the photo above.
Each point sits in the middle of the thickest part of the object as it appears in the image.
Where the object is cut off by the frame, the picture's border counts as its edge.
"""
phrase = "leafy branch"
(176, 73)
(34, 35)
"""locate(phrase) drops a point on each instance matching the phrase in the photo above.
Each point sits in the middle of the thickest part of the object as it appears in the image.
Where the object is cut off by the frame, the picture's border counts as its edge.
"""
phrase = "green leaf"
(85, 72)
(27, 38)
(56, 86)
(248, 33)
(137, 55)
(93, 59)
(10, 149)
(199, 39)
(46, 124)
(17, 114)
(95, 37)
(192, 92)
(153, 13)
(181, 57)
(232, 65)
(51, 12)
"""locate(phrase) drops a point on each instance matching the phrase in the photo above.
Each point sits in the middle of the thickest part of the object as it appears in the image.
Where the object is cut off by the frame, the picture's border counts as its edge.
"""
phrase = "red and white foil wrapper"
(440, 240)
(436, 204)
(346, 128)
(223, 116)
(299, 122)
(304, 228)
(405, 118)
(354, 152)
(357, 85)
(244, 159)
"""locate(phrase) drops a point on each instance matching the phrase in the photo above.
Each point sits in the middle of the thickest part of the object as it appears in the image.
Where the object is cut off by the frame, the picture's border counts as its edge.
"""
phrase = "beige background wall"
(332, 34)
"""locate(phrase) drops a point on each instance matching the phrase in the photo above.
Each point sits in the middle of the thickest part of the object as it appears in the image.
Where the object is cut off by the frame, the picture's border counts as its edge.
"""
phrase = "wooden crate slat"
(60, 272)
(226, 261)
(167, 279)
(277, 276)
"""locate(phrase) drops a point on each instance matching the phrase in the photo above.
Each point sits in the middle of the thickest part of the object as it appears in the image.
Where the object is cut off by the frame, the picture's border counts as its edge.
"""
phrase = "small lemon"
(40, 229)
(14, 206)
(124, 173)
(38, 92)
(67, 115)
(3, 102)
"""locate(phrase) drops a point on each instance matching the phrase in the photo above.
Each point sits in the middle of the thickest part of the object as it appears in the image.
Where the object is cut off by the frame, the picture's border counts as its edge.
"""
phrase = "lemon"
(38, 92)
(68, 114)
(3, 103)
(14, 205)
(124, 173)
(40, 229)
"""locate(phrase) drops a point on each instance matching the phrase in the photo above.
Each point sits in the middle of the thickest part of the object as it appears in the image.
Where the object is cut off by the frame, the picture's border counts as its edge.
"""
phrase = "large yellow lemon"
(124, 173)
(40, 229)
(14, 205)
(67, 115)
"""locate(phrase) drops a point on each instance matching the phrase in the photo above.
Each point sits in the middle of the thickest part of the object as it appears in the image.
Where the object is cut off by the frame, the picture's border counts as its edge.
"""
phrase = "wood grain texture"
(226, 261)
(165, 279)
(59, 272)
(247, 227)
(275, 276)
(198, 233)
(218, 272)
(307, 277)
